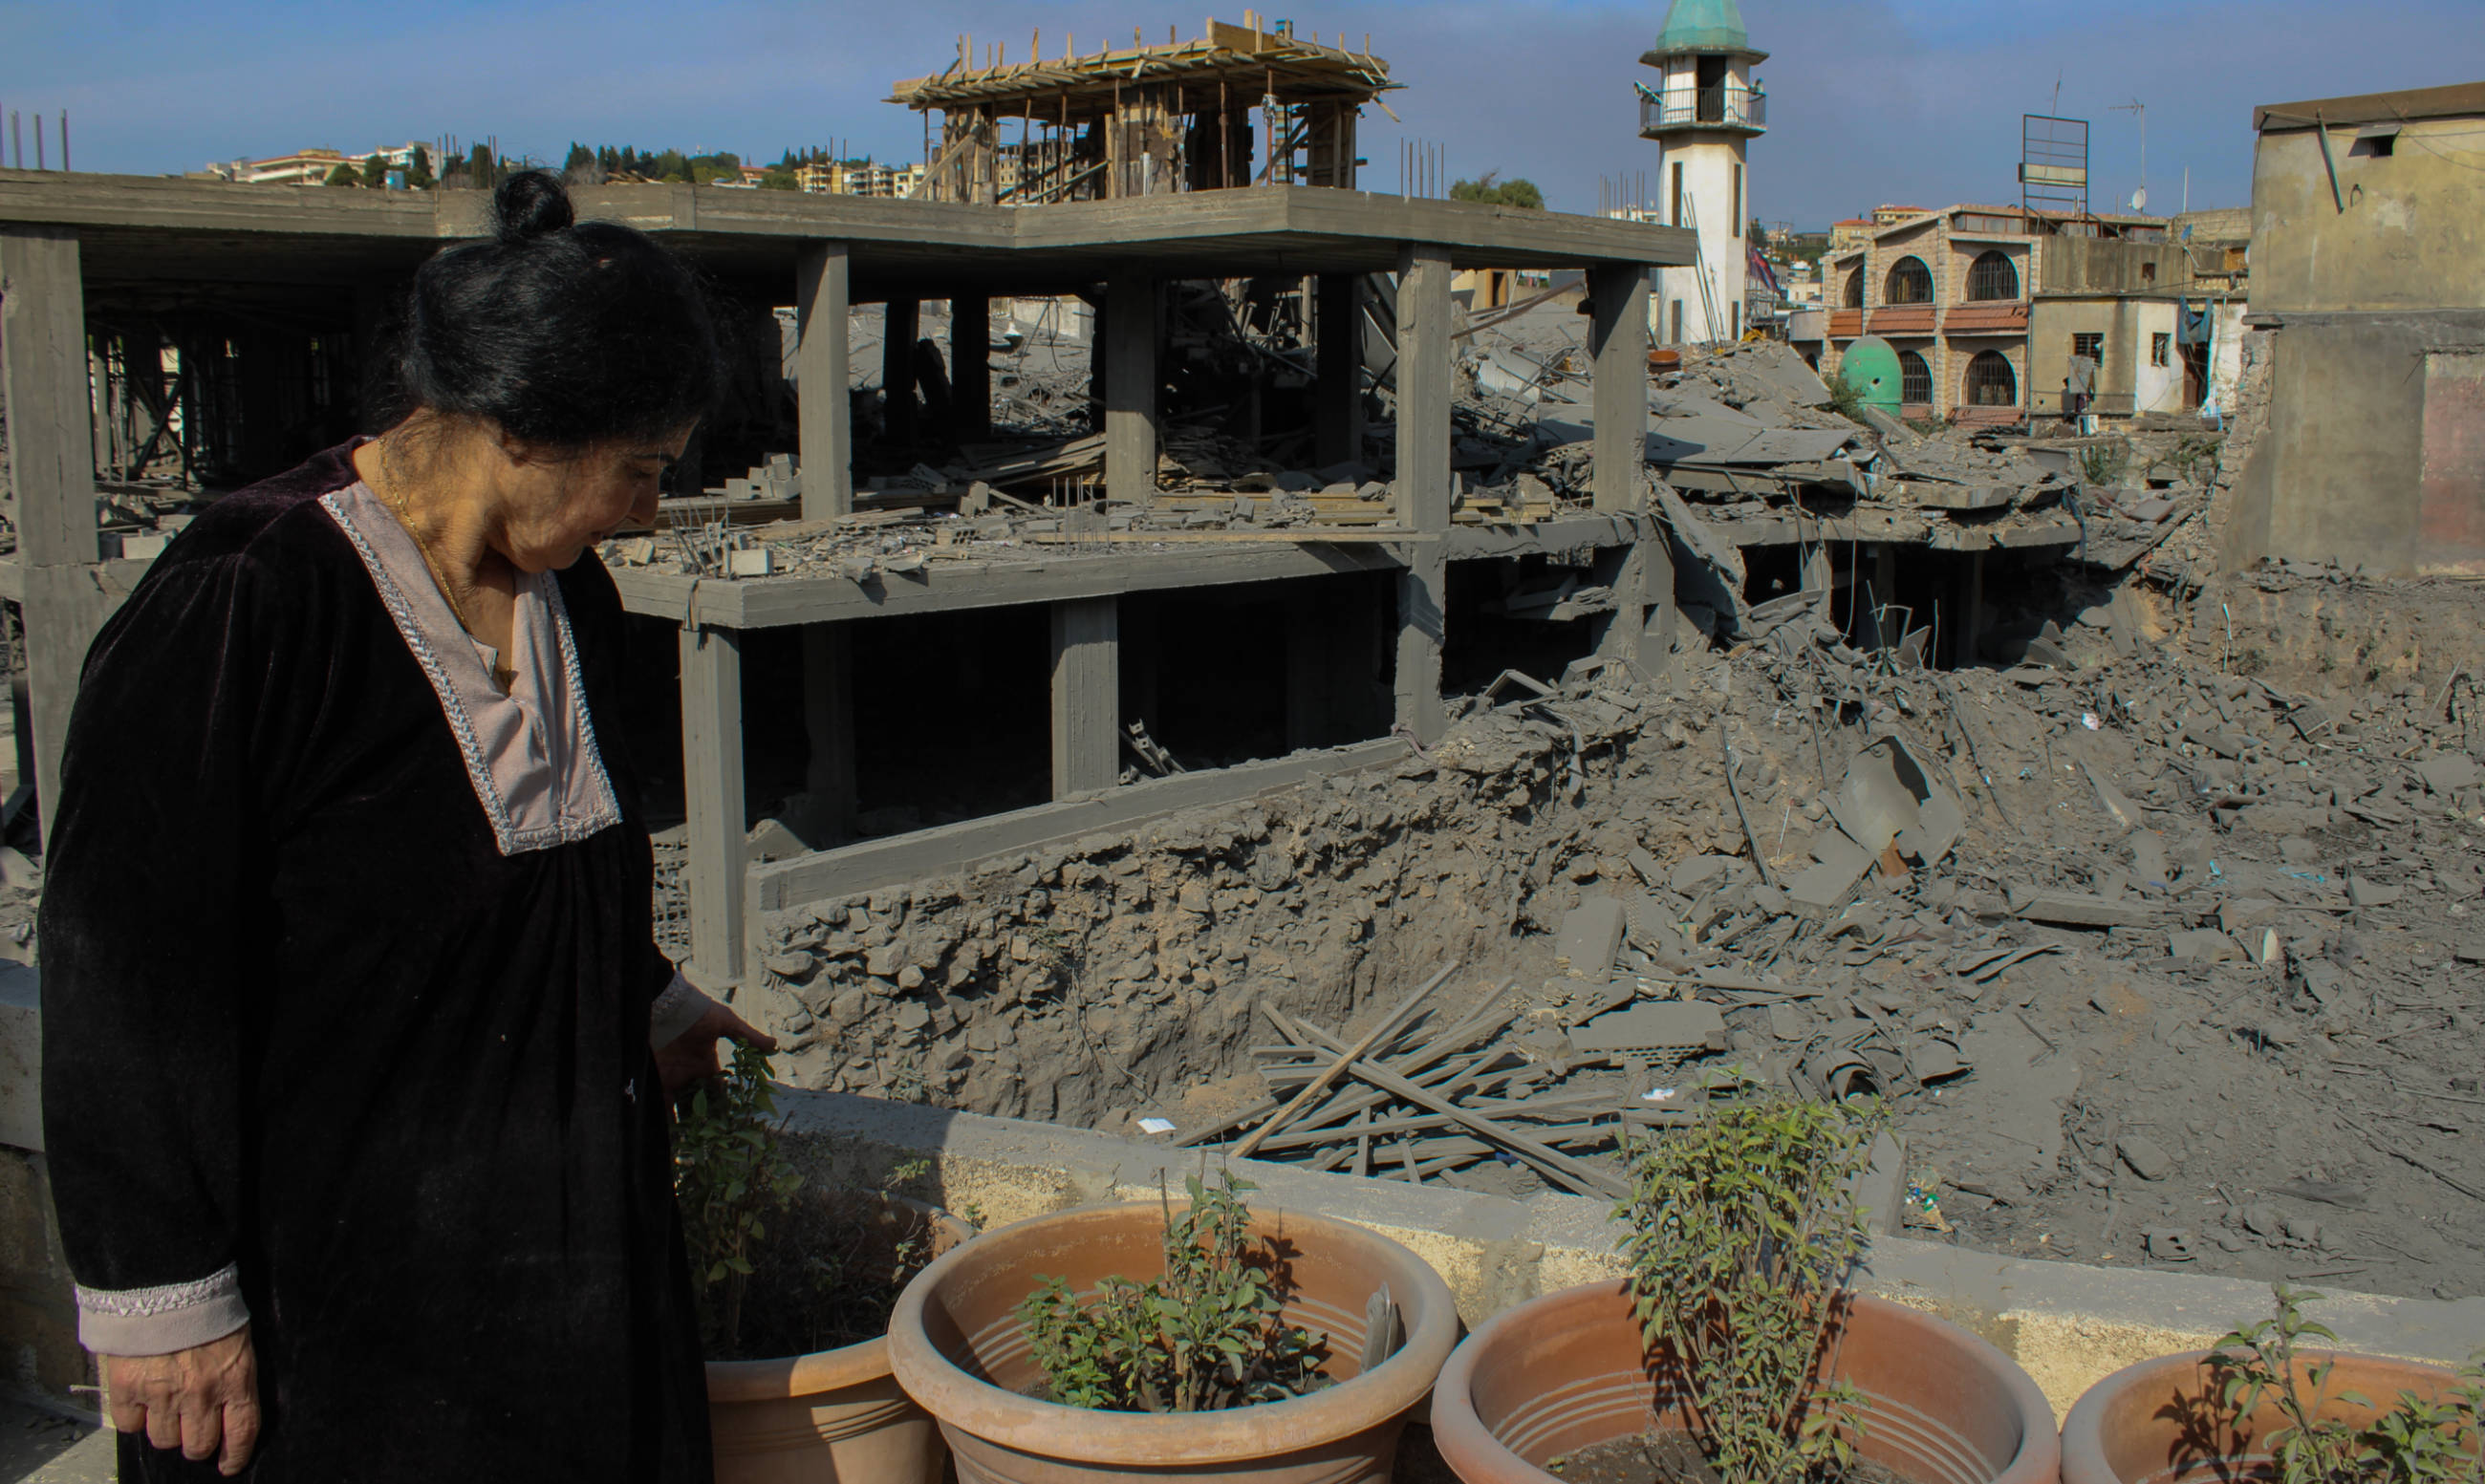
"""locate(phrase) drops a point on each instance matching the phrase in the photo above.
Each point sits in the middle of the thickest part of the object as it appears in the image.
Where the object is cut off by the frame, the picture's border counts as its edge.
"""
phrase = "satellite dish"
(2140, 199)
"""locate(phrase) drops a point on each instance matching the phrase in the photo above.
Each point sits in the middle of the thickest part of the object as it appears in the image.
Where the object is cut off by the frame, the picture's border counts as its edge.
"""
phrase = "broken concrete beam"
(1590, 937)
(1940, 494)
(2078, 909)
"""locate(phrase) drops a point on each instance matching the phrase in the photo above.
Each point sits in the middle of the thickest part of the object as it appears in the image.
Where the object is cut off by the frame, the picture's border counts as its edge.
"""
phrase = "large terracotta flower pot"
(2156, 1422)
(961, 1349)
(833, 1416)
(1566, 1371)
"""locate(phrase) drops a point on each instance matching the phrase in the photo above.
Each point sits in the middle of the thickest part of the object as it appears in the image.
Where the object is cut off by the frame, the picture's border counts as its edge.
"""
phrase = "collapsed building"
(1088, 726)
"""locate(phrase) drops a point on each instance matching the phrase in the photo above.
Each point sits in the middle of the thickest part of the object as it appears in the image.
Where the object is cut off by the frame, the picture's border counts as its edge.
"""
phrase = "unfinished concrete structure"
(1146, 119)
(77, 253)
(2366, 264)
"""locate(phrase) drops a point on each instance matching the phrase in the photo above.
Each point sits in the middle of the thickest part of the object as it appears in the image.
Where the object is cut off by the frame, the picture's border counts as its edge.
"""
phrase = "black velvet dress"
(306, 1023)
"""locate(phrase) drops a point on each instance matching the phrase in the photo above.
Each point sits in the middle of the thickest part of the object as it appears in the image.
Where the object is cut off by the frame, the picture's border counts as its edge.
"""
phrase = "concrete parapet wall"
(2067, 1324)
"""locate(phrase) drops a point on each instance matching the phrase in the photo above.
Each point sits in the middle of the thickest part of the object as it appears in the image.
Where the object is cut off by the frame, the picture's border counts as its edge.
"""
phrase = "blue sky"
(1915, 100)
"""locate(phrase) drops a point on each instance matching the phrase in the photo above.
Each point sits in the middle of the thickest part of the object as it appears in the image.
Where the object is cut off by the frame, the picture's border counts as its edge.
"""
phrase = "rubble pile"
(2155, 961)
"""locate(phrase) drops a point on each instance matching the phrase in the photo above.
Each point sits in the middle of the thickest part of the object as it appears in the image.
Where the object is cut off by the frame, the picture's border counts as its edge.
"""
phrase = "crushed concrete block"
(1693, 871)
(2449, 771)
(2367, 894)
(1590, 937)
(2204, 945)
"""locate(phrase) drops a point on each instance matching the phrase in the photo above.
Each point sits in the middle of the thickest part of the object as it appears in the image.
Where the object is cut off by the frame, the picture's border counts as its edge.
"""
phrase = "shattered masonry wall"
(1076, 985)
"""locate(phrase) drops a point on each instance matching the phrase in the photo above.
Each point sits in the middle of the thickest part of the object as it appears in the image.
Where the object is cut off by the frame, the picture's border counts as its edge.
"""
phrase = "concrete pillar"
(51, 448)
(712, 791)
(828, 721)
(823, 297)
(901, 323)
(1618, 344)
(1424, 354)
(1129, 337)
(1087, 695)
(970, 367)
(1338, 321)
(1423, 588)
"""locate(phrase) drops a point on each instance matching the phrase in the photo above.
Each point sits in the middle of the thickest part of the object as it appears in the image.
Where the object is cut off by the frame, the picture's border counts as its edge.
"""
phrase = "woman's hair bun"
(531, 203)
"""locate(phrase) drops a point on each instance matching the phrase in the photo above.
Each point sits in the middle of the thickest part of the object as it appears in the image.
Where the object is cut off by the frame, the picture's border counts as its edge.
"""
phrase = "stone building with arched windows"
(1986, 306)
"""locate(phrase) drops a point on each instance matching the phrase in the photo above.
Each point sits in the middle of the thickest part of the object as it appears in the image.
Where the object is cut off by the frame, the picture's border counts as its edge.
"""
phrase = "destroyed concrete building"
(2370, 277)
(1095, 732)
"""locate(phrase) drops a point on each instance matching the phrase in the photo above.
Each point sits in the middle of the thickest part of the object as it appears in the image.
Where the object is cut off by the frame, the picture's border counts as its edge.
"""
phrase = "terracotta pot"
(961, 1350)
(830, 1416)
(1559, 1373)
(2130, 1426)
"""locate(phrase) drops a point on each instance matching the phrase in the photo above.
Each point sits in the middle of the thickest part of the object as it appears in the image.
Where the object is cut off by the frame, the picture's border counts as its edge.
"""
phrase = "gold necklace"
(503, 676)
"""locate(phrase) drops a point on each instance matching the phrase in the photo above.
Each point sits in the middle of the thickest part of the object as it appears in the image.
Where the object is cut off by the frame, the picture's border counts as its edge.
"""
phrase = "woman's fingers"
(241, 1436)
(749, 1035)
(164, 1422)
(203, 1427)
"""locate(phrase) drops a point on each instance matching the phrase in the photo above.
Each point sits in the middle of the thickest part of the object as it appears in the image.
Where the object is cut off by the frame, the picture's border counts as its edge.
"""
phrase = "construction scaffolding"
(1147, 118)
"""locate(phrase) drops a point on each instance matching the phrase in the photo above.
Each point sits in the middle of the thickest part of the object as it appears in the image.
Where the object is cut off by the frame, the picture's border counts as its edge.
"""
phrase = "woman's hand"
(202, 1400)
(692, 1055)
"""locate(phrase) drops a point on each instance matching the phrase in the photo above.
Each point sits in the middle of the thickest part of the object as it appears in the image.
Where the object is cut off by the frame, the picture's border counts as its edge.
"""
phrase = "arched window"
(1910, 282)
(1915, 380)
(1990, 381)
(1855, 289)
(1992, 276)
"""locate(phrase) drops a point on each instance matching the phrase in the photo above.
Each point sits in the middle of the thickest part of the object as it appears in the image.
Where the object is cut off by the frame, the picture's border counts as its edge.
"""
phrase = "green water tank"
(1871, 367)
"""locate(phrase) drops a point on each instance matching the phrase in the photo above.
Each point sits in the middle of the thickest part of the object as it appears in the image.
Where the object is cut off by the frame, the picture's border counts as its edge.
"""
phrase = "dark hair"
(561, 331)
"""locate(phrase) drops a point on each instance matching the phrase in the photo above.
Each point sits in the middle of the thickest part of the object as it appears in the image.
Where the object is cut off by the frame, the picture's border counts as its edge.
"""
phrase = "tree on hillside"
(375, 170)
(344, 174)
(1492, 191)
(780, 178)
(580, 165)
(480, 174)
(418, 173)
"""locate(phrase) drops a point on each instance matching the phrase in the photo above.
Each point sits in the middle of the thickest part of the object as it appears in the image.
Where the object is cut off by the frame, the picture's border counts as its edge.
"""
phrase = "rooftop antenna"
(2139, 198)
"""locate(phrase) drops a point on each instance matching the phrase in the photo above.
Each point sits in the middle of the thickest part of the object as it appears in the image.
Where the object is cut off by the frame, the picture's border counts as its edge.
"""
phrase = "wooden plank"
(1562, 1169)
(1389, 1025)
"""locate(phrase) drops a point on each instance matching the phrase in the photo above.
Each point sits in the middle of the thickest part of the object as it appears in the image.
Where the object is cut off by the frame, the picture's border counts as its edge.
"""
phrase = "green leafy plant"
(1845, 398)
(2104, 462)
(729, 1175)
(1209, 1335)
(1742, 1232)
(2418, 1442)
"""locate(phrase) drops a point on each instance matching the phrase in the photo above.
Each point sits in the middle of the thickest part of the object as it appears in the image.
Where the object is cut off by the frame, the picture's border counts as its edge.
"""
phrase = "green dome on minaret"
(1709, 26)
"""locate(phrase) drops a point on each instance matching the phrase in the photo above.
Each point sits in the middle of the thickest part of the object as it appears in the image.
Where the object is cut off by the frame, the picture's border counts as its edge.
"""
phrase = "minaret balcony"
(1663, 111)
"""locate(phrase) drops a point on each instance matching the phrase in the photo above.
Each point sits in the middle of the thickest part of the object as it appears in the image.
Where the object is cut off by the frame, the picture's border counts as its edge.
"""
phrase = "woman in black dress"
(356, 1040)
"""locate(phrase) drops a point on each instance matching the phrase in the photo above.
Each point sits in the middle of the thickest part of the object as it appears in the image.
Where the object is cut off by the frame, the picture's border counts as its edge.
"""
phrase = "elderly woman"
(356, 1039)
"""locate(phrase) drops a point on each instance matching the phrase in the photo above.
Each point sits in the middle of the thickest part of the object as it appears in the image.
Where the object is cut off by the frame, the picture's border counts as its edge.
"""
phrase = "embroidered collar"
(531, 754)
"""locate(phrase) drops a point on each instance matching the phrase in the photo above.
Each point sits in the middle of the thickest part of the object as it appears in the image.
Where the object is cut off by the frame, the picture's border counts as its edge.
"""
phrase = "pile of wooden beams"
(1406, 1102)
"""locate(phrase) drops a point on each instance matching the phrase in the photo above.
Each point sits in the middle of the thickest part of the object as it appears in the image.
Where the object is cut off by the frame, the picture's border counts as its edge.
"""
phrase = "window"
(1915, 380)
(2092, 347)
(1733, 322)
(1678, 193)
(1855, 288)
(1990, 381)
(1992, 275)
(1910, 282)
(2161, 348)
(1676, 338)
(2148, 273)
(1739, 200)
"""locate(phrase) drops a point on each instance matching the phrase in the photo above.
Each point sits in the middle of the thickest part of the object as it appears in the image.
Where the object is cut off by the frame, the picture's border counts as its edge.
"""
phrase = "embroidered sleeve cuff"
(674, 1012)
(158, 1321)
